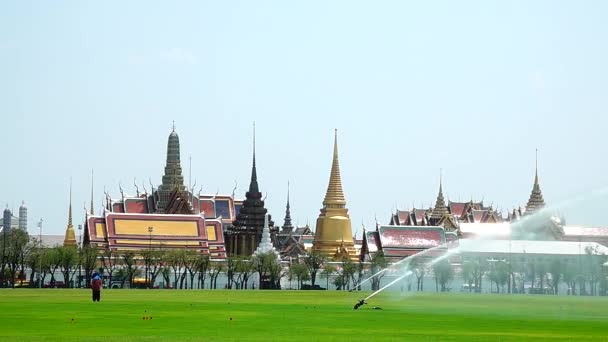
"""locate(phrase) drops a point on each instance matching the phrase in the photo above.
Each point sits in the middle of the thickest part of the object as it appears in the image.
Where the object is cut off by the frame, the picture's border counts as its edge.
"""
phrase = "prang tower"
(334, 235)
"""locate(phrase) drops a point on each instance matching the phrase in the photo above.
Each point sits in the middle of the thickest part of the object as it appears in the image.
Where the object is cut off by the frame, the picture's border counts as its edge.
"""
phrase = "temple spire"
(249, 222)
(70, 207)
(253, 184)
(536, 200)
(70, 235)
(440, 208)
(287, 226)
(335, 196)
(173, 180)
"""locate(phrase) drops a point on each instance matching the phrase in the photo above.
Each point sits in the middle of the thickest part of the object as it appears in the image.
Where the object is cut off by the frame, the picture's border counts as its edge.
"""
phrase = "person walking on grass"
(96, 287)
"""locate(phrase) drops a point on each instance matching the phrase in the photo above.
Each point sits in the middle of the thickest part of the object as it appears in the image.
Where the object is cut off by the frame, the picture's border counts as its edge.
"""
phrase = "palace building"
(446, 225)
(170, 216)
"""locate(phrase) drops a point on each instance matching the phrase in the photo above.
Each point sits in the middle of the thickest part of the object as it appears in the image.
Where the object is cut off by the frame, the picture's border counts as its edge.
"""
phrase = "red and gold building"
(168, 217)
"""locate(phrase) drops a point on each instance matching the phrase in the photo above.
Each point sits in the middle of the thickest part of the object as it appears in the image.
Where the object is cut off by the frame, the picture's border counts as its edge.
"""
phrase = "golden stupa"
(334, 235)
(70, 235)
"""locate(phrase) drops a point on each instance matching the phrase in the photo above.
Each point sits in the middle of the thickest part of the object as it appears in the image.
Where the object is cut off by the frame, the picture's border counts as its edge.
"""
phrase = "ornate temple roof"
(287, 225)
(172, 179)
(536, 200)
(440, 208)
(252, 213)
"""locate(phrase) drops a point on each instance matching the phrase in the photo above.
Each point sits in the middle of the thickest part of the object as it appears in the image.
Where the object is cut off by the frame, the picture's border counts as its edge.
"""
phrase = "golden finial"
(70, 207)
(335, 196)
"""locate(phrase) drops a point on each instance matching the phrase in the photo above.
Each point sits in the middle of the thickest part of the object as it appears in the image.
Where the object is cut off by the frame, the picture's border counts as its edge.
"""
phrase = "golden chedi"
(334, 236)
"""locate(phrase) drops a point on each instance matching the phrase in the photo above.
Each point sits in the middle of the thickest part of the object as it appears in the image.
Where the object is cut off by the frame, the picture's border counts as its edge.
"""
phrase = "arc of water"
(409, 272)
(402, 261)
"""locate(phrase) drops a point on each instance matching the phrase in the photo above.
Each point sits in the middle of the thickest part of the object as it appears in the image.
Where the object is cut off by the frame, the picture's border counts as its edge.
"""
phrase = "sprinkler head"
(359, 303)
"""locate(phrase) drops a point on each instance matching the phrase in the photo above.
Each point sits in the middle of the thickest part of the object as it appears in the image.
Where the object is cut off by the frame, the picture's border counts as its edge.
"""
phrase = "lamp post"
(150, 230)
(40, 255)
(80, 256)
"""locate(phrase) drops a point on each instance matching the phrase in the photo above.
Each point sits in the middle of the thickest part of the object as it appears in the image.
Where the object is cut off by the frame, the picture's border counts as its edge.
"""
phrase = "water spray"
(542, 213)
(406, 274)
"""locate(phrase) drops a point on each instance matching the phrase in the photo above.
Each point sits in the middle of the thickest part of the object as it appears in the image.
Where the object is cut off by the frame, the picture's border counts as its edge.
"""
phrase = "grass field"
(198, 315)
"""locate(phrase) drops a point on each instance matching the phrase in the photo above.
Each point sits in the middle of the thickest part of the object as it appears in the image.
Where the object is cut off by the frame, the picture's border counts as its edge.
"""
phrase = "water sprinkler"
(359, 303)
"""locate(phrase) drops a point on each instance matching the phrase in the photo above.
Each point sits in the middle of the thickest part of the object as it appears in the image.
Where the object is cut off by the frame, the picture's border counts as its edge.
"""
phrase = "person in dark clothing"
(96, 287)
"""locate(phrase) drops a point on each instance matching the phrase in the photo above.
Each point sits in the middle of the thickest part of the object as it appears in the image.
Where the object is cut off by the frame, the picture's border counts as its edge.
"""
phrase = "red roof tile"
(411, 237)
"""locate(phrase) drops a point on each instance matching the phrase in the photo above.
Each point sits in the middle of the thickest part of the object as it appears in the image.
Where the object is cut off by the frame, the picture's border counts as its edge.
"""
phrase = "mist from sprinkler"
(544, 213)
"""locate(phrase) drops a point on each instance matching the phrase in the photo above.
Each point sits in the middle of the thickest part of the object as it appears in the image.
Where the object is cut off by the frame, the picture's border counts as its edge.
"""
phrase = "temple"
(445, 226)
(334, 235)
(70, 235)
(245, 233)
(168, 217)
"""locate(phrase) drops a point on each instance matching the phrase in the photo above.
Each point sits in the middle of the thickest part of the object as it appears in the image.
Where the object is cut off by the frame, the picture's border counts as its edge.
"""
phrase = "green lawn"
(193, 315)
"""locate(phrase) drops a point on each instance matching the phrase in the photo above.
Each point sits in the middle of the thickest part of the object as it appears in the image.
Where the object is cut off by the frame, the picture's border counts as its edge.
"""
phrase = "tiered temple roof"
(440, 209)
(170, 217)
(536, 200)
(244, 235)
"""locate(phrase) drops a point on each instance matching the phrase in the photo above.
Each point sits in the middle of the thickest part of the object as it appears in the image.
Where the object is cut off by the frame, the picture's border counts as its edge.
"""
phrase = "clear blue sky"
(473, 87)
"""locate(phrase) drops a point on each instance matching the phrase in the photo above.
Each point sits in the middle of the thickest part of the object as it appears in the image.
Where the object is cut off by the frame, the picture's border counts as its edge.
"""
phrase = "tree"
(215, 268)
(467, 273)
(555, 269)
(444, 273)
(243, 268)
(190, 264)
(300, 272)
(68, 257)
(418, 267)
(569, 275)
(269, 270)
(542, 269)
(109, 260)
(128, 263)
(52, 260)
(314, 261)
(229, 272)
(16, 244)
(499, 274)
(88, 261)
(346, 272)
(155, 259)
(328, 270)
(378, 263)
(175, 259)
(202, 267)
(32, 261)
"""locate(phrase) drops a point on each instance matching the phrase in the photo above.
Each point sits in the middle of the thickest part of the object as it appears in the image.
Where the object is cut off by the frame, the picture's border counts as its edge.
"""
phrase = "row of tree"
(185, 268)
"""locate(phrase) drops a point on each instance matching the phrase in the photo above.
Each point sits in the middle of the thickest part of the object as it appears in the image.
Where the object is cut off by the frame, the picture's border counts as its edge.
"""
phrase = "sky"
(471, 88)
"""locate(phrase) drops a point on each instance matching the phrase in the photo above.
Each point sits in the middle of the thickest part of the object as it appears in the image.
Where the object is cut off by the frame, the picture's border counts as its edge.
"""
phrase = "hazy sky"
(412, 86)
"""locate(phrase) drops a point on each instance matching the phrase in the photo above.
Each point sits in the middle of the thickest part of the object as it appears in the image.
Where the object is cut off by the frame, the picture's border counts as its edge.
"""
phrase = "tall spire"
(173, 180)
(440, 208)
(334, 234)
(253, 184)
(335, 196)
(92, 209)
(70, 235)
(287, 226)
(70, 207)
(250, 220)
(536, 200)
